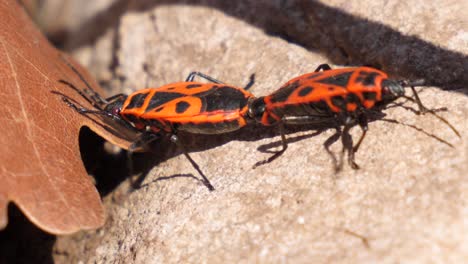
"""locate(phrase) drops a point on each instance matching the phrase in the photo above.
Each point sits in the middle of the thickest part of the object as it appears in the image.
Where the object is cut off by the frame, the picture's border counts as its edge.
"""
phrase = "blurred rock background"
(408, 202)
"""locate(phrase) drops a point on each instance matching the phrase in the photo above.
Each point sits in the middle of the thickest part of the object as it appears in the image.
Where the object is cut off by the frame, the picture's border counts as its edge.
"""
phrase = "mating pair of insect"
(337, 97)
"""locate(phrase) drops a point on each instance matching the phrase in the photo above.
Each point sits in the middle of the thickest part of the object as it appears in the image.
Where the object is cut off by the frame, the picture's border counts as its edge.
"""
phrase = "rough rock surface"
(408, 202)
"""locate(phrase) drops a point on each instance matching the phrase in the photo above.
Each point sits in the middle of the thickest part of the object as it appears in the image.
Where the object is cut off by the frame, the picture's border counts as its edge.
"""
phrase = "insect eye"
(116, 111)
(385, 89)
(257, 108)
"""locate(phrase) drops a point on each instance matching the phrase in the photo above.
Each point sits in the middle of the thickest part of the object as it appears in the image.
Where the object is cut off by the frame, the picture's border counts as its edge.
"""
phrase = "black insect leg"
(97, 103)
(142, 142)
(337, 166)
(192, 75)
(83, 110)
(323, 67)
(207, 183)
(423, 110)
(362, 119)
(98, 99)
(347, 142)
(278, 153)
(116, 97)
(251, 82)
(325, 121)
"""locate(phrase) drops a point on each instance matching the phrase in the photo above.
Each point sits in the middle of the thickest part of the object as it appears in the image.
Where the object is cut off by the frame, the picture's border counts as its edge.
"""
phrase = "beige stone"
(408, 202)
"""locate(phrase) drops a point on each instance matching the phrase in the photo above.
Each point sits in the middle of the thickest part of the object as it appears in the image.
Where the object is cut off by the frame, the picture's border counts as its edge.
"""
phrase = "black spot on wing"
(353, 99)
(305, 91)
(223, 98)
(284, 92)
(341, 79)
(160, 98)
(339, 102)
(137, 100)
(181, 107)
(367, 78)
(371, 96)
(190, 86)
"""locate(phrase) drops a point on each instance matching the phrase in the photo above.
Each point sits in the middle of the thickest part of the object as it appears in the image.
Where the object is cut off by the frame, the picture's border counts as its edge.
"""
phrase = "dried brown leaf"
(41, 170)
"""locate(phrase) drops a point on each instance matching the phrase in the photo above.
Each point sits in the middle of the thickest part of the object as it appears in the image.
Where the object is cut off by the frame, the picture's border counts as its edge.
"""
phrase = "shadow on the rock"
(308, 23)
(110, 170)
(316, 27)
(22, 242)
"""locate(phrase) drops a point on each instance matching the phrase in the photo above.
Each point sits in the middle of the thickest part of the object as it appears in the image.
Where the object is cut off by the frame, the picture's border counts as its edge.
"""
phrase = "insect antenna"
(251, 82)
(423, 109)
(82, 110)
(97, 98)
(94, 103)
(394, 121)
